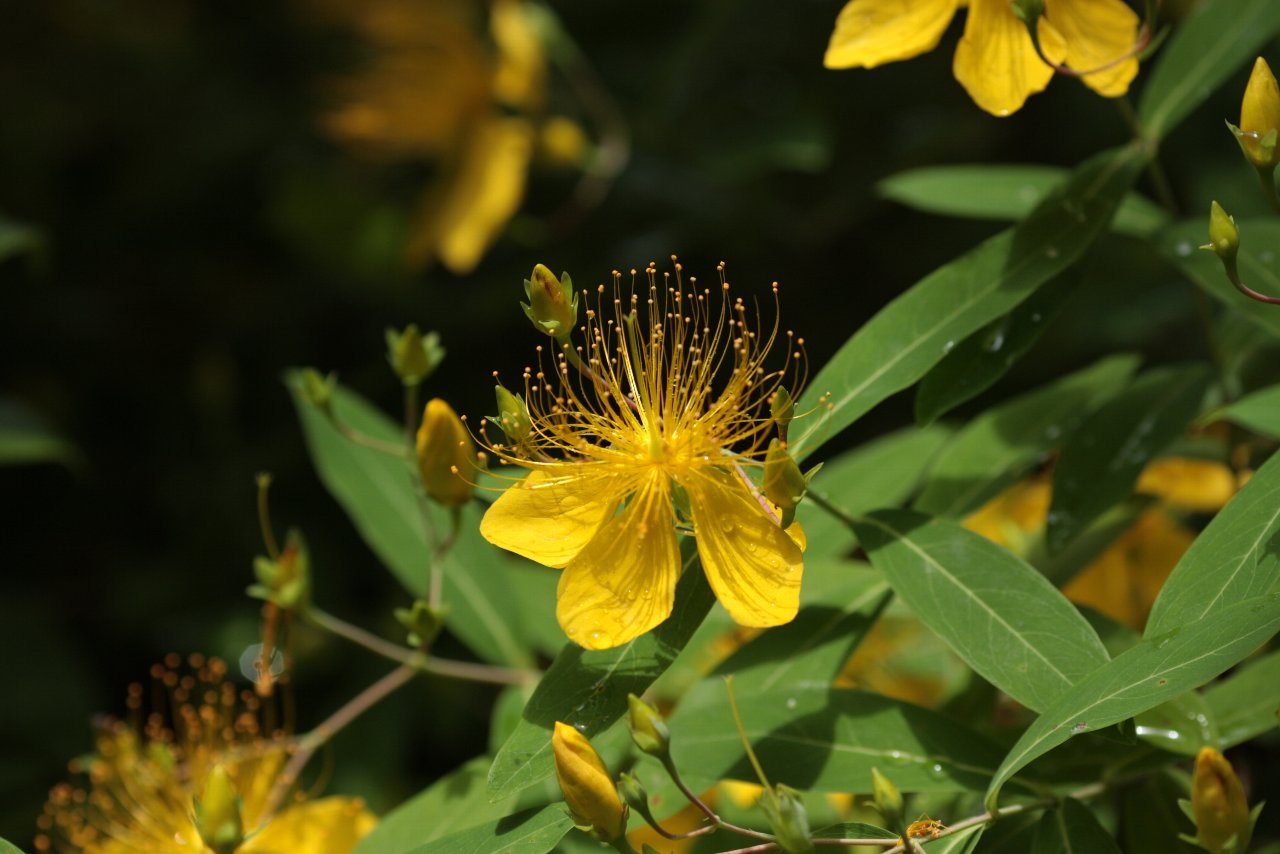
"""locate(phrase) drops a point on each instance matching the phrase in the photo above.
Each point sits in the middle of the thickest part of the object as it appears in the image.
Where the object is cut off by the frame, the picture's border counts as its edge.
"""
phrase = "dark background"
(202, 233)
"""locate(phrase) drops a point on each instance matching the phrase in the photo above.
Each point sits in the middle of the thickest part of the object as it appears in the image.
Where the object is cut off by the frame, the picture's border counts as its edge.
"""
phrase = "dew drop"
(791, 702)
(1266, 256)
(1184, 248)
(936, 771)
(897, 757)
(946, 348)
(1076, 729)
(1051, 252)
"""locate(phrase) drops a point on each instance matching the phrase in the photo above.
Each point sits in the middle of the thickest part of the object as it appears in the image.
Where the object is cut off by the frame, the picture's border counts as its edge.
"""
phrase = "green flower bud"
(784, 483)
(888, 799)
(553, 305)
(317, 390)
(413, 356)
(513, 415)
(1224, 237)
(218, 813)
(782, 408)
(648, 730)
(422, 622)
(633, 793)
(789, 820)
(287, 580)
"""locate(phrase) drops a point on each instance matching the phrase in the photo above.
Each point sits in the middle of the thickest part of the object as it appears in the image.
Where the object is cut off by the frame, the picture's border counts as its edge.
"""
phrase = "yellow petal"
(1201, 486)
(872, 32)
(327, 826)
(753, 565)
(995, 60)
(1097, 33)
(480, 192)
(623, 583)
(553, 513)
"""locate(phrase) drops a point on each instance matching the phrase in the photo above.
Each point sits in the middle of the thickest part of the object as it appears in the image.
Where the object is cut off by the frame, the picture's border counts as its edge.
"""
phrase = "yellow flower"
(626, 425)
(158, 789)
(588, 790)
(1218, 803)
(438, 87)
(995, 60)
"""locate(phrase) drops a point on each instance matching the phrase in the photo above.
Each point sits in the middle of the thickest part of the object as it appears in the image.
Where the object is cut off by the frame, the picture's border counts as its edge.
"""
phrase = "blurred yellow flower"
(461, 83)
(1123, 581)
(164, 789)
(995, 61)
(630, 443)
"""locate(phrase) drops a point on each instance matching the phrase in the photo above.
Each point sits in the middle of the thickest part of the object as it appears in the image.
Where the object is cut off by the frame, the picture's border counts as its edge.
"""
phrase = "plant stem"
(716, 820)
(465, 670)
(367, 441)
(264, 516)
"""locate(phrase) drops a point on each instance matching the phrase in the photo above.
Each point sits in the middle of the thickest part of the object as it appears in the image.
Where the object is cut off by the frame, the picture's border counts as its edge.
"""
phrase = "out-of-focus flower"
(635, 422)
(459, 83)
(588, 790)
(1123, 581)
(197, 784)
(996, 60)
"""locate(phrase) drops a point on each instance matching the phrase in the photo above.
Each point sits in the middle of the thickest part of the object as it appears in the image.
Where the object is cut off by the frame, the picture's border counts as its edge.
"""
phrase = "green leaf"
(984, 357)
(815, 737)
(379, 493)
(1005, 191)
(533, 831)
(1183, 725)
(881, 473)
(17, 238)
(588, 688)
(999, 444)
(1258, 263)
(1207, 47)
(963, 842)
(453, 803)
(25, 438)
(1233, 559)
(1101, 461)
(1245, 704)
(995, 610)
(853, 830)
(1152, 672)
(1258, 412)
(910, 335)
(1069, 829)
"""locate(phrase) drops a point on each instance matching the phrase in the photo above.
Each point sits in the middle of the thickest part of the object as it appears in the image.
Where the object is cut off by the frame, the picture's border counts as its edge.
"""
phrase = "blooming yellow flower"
(631, 444)
(995, 60)
(164, 789)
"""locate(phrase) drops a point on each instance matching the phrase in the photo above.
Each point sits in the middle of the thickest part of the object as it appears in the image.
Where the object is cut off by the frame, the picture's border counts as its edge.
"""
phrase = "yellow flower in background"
(1123, 581)
(995, 61)
(198, 784)
(631, 443)
(461, 83)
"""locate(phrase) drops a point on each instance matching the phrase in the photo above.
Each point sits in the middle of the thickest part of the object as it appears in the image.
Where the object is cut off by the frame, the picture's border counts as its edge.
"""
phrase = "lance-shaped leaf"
(533, 831)
(1070, 828)
(1000, 443)
(1150, 673)
(588, 688)
(910, 335)
(1234, 558)
(995, 610)
(1208, 46)
(1245, 704)
(1102, 460)
(1258, 412)
(1007, 191)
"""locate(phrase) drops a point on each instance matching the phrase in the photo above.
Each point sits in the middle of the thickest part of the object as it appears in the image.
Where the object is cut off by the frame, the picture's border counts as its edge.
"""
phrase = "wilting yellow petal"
(483, 189)
(1098, 33)
(553, 513)
(624, 582)
(995, 60)
(1202, 486)
(327, 826)
(753, 566)
(872, 32)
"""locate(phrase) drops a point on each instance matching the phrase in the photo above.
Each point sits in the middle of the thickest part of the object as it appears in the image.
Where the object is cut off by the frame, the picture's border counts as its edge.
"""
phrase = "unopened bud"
(782, 408)
(413, 356)
(1260, 118)
(648, 729)
(784, 483)
(888, 799)
(633, 793)
(316, 389)
(1028, 11)
(423, 623)
(513, 415)
(218, 813)
(285, 581)
(1224, 237)
(553, 305)
(446, 454)
(1218, 805)
(789, 819)
(589, 793)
